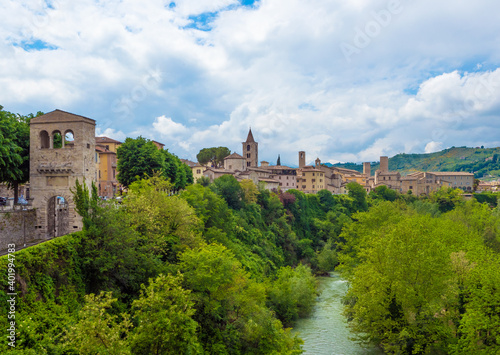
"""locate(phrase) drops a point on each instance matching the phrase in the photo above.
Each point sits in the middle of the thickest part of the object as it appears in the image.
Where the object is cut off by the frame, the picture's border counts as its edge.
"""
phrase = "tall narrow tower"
(251, 151)
(302, 159)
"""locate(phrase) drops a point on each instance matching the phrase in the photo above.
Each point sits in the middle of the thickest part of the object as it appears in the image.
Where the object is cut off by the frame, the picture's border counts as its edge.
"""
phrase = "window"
(57, 141)
(313, 180)
(313, 186)
(248, 147)
(114, 173)
(44, 140)
(198, 171)
(313, 174)
(248, 155)
(69, 138)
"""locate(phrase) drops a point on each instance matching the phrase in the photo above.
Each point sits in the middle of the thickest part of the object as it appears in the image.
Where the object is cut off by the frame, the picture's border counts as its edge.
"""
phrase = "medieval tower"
(302, 159)
(251, 151)
(62, 150)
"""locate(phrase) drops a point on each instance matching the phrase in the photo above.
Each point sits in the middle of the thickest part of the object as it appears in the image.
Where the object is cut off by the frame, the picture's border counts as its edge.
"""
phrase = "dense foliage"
(140, 157)
(14, 148)
(226, 268)
(203, 271)
(422, 275)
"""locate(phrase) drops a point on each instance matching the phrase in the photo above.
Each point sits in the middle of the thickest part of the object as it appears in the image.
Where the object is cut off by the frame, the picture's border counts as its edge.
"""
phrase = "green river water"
(325, 332)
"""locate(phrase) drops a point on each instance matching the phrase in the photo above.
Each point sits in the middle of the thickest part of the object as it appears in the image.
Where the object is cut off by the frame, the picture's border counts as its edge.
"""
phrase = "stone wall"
(17, 227)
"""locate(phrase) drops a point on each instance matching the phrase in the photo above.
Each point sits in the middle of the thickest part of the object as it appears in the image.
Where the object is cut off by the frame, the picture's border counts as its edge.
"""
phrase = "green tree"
(278, 162)
(230, 190)
(137, 158)
(203, 181)
(383, 193)
(447, 198)
(293, 293)
(97, 331)
(230, 307)
(14, 149)
(215, 156)
(164, 313)
(250, 191)
(358, 194)
(167, 226)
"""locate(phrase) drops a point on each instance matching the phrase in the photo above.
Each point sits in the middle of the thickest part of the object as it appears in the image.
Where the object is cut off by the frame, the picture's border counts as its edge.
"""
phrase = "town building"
(55, 165)
(310, 180)
(106, 149)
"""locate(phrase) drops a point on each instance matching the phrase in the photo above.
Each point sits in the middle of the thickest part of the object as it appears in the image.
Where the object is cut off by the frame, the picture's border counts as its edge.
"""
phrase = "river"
(325, 332)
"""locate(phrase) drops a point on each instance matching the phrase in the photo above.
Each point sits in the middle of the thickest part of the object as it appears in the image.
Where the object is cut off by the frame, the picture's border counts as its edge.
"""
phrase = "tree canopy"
(139, 158)
(14, 148)
(215, 156)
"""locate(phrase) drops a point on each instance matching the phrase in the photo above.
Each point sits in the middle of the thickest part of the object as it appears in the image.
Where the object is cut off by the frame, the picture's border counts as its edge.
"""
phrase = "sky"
(341, 80)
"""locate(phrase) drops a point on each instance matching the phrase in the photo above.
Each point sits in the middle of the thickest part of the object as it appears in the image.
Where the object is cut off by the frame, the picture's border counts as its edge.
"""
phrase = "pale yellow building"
(198, 171)
(310, 180)
(106, 160)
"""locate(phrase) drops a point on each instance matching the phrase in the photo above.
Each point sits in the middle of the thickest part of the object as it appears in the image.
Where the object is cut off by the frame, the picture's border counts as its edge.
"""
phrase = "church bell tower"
(251, 151)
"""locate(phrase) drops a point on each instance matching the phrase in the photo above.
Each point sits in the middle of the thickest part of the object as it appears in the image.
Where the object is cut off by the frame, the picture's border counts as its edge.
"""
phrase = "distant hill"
(483, 162)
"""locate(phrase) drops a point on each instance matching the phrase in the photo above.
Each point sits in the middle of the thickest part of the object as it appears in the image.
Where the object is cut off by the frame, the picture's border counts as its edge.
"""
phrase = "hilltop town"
(56, 164)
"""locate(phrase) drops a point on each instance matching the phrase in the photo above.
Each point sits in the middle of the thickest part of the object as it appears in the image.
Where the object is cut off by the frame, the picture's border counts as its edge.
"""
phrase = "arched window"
(44, 140)
(69, 139)
(57, 141)
(248, 147)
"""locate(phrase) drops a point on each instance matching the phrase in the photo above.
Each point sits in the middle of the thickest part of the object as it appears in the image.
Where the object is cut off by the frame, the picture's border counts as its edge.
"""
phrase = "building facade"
(55, 164)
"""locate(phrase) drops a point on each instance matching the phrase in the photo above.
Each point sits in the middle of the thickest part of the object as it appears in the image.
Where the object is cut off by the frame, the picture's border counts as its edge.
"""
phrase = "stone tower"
(384, 164)
(367, 169)
(251, 151)
(55, 164)
(302, 159)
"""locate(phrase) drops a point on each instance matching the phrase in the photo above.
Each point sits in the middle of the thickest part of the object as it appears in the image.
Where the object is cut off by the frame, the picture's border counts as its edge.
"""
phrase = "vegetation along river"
(325, 331)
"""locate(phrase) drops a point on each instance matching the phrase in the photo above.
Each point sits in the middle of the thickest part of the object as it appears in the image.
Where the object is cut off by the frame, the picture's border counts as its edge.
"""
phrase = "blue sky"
(344, 81)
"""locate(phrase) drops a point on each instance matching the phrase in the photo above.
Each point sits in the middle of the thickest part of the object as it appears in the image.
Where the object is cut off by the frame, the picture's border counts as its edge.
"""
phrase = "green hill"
(483, 162)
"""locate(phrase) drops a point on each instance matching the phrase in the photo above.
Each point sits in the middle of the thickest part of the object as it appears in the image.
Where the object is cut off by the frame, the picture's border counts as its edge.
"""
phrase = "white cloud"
(277, 67)
(432, 147)
(168, 128)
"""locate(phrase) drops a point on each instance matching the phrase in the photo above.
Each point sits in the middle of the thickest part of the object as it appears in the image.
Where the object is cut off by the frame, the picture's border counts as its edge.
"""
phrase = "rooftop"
(106, 140)
(58, 116)
(234, 156)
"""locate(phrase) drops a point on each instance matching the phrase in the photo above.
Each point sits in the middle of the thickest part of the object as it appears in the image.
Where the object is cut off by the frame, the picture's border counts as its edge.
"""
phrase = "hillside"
(483, 162)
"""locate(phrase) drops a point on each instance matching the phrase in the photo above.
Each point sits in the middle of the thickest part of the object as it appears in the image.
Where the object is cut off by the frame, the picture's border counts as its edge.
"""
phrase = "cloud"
(432, 147)
(168, 128)
(424, 78)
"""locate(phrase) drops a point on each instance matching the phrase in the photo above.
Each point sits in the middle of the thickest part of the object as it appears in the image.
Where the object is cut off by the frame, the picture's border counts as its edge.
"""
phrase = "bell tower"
(62, 150)
(251, 151)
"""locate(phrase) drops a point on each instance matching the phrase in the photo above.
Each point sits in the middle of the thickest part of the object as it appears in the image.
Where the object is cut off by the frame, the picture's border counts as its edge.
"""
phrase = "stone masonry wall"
(17, 227)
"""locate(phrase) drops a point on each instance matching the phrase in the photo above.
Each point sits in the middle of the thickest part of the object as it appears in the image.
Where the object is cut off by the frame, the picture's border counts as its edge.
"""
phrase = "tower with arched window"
(251, 151)
(62, 149)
